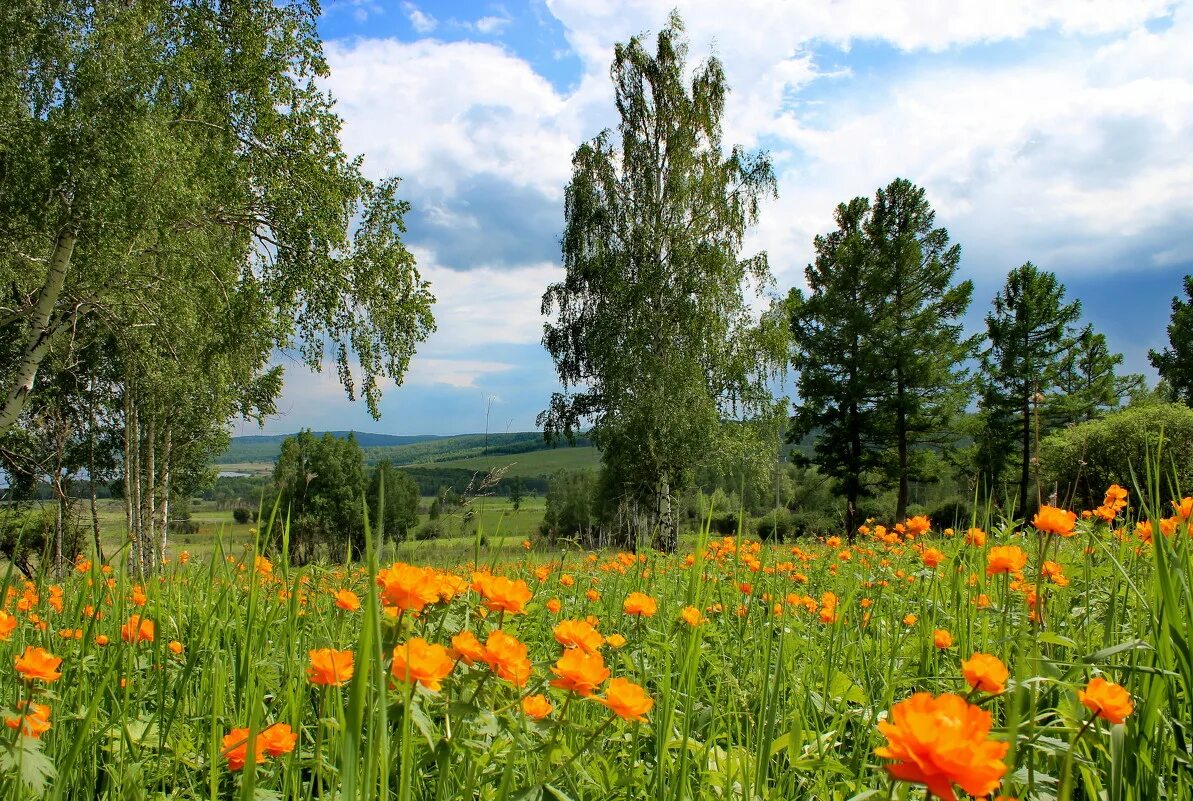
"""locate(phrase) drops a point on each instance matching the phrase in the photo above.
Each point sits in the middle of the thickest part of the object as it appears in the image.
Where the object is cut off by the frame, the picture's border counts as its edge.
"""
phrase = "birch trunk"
(41, 331)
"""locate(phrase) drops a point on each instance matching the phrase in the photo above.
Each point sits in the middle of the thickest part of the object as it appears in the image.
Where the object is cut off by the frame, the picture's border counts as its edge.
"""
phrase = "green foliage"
(1026, 331)
(571, 507)
(1175, 363)
(652, 339)
(1080, 462)
(320, 482)
(1087, 384)
(400, 514)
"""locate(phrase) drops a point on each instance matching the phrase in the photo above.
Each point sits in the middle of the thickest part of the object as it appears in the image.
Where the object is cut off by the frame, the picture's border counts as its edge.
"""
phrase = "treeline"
(171, 218)
(667, 370)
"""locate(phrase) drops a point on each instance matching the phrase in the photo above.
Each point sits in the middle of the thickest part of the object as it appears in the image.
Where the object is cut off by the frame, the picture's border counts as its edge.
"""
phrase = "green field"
(534, 463)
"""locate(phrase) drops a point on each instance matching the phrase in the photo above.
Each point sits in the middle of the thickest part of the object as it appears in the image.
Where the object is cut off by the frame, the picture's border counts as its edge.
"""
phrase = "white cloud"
(421, 21)
(491, 25)
(458, 373)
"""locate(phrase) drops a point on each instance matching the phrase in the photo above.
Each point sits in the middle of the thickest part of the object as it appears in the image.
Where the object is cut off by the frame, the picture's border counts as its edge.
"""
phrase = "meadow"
(1042, 660)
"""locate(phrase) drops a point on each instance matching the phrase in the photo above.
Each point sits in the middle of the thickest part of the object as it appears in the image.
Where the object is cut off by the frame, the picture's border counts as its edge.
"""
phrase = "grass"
(532, 464)
(776, 691)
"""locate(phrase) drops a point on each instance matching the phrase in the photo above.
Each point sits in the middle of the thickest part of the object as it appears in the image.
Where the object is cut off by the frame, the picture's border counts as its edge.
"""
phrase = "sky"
(1058, 132)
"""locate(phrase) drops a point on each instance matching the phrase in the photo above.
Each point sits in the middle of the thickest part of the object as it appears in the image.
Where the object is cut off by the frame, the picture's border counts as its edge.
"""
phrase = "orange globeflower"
(1005, 559)
(175, 647)
(38, 664)
(579, 672)
(420, 661)
(932, 557)
(1051, 520)
(691, 615)
(467, 648)
(407, 587)
(236, 749)
(939, 742)
(578, 634)
(909, 619)
(330, 668)
(503, 595)
(8, 625)
(347, 600)
(277, 740)
(553, 606)
(615, 641)
(942, 639)
(536, 706)
(592, 595)
(506, 656)
(34, 723)
(627, 700)
(918, 525)
(1183, 508)
(640, 604)
(975, 537)
(137, 629)
(985, 672)
(1106, 700)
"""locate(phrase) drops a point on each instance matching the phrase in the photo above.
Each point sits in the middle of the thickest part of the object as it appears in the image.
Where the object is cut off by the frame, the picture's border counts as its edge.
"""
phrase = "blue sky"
(1053, 132)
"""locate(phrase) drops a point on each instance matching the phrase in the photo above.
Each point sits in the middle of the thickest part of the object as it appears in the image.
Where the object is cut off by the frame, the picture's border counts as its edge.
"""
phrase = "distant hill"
(424, 450)
(266, 447)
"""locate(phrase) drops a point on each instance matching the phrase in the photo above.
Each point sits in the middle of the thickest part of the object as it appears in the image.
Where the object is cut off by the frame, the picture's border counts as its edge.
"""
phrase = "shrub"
(1082, 461)
(775, 525)
(241, 515)
(954, 513)
(431, 530)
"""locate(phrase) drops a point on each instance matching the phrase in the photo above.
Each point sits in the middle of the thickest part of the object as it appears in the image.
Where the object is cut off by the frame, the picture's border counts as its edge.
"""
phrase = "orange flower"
(138, 596)
(175, 647)
(1107, 700)
(640, 604)
(407, 587)
(506, 656)
(932, 557)
(909, 619)
(347, 600)
(578, 634)
(467, 648)
(420, 661)
(34, 723)
(942, 639)
(102, 639)
(277, 740)
(939, 742)
(1051, 520)
(8, 625)
(501, 594)
(553, 606)
(1005, 559)
(615, 641)
(985, 672)
(536, 706)
(918, 525)
(38, 664)
(691, 615)
(627, 700)
(330, 667)
(975, 537)
(579, 672)
(236, 749)
(1183, 508)
(137, 629)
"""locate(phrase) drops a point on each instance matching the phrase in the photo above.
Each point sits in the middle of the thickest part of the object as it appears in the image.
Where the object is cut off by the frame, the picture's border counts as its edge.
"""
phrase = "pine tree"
(1027, 340)
(1175, 363)
(835, 347)
(922, 347)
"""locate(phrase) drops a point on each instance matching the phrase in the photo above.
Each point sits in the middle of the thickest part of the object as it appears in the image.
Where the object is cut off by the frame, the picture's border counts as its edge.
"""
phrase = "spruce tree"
(1027, 341)
(1175, 363)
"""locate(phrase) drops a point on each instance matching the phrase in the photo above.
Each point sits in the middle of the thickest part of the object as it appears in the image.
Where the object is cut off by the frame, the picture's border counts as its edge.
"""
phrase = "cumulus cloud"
(420, 20)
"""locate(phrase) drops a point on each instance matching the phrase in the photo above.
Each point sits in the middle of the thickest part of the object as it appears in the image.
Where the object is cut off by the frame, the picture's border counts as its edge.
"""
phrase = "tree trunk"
(164, 507)
(903, 455)
(1026, 453)
(147, 498)
(132, 473)
(668, 531)
(59, 525)
(41, 331)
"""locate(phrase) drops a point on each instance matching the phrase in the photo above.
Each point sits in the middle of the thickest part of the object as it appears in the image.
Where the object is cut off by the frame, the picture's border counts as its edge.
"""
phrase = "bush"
(726, 523)
(431, 530)
(775, 526)
(954, 513)
(1079, 463)
(241, 515)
